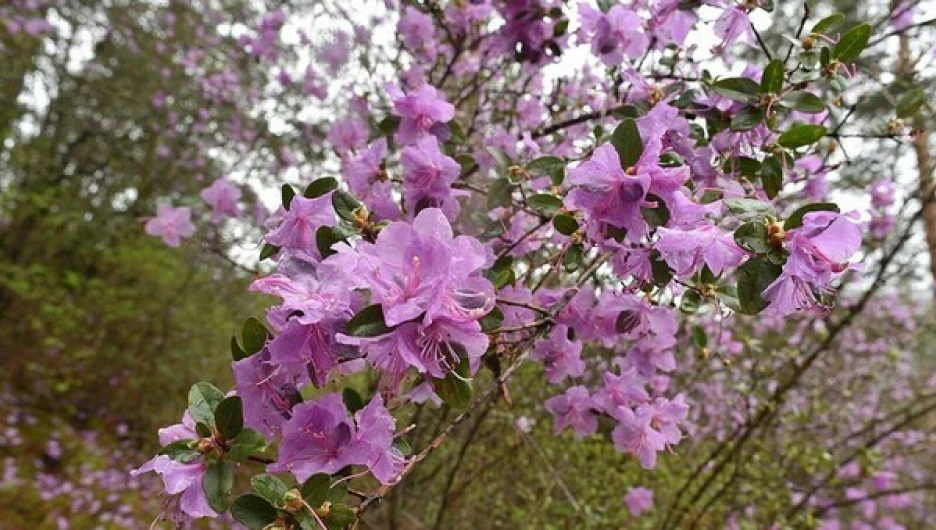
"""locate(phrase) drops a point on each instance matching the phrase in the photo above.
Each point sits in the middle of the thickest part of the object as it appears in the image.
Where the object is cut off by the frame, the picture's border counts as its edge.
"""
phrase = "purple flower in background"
(560, 356)
(222, 196)
(614, 34)
(416, 28)
(733, 24)
(171, 224)
(573, 409)
(347, 135)
(428, 175)
(420, 112)
(639, 500)
(882, 193)
(369, 181)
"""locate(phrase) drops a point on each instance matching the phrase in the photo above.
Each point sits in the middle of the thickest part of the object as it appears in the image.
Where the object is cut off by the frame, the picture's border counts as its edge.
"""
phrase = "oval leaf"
(369, 322)
(801, 135)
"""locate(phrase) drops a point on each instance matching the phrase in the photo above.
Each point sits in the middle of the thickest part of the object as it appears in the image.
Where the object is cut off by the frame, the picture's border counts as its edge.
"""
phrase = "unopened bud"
(895, 126)
(293, 501)
(809, 42)
(775, 233)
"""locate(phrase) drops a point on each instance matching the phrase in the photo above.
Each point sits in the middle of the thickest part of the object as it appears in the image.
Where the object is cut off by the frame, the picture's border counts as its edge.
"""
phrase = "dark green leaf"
(237, 353)
(753, 277)
(246, 443)
(545, 204)
(455, 389)
(772, 176)
(492, 320)
(203, 399)
(661, 272)
(229, 417)
(320, 187)
(388, 125)
(551, 166)
(691, 301)
(180, 451)
(573, 257)
(369, 322)
(565, 224)
(325, 238)
(218, 483)
(627, 142)
(499, 193)
(467, 163)
(699, 337)
(315, 490)
(560, 28)
(772, 79)
(202, 430)
(796, 218)
(749, 207)
(288, 193)
(340, 516)
(253, 512)
(658, 216)
(804, 102)
(747, 119)
(827, 23)
(268, 251)
(801, 135)
(911, 103)
(737, 89)
(345, 205)
(752, 236)
(852, 43)
(254, 335)
(352, 400)
(270, 488)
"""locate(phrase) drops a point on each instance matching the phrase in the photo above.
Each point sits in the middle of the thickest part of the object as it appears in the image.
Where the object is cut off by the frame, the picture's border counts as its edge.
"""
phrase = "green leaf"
(772, 79)
(699, 337)
(369, 322)
(565, 224)
(455, 389)
(796, 218)
(747, 119)
(737, 89)
(492, 320)
(804, 102)
(270, 488)
(753, 277)
(268, 251)
(500, 193)
(218, 483)
(352, 400)
(749, 207)
(237, 352)
(560, 28)
(911, 103)
(229, 417)
(345, 205)
(852, 43)
(253, 512)
(662, 274)
(752, 236)
(658, 216)
(627, 142)
(288, 193)
(772, 176)
(315, 490)
(827, 23)
(388, 125)
(320, 187)
(690, 303)
(467, 163)
(340, 516)
(325, 238)
(801, 135)
(545, 204)
(254, 335)
(246, 443)
(180, 451)
(573, 257)
(551, 166)
(203, 399)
